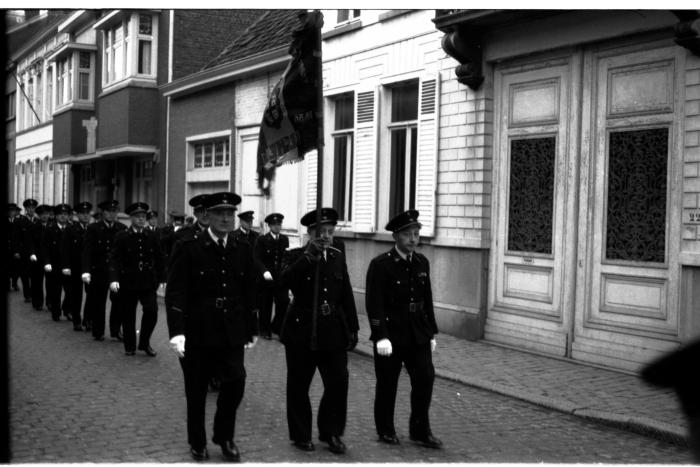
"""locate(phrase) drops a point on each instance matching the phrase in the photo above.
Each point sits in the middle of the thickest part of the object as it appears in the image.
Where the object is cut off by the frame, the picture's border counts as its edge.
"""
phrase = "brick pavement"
(608, 396)
(77, 400)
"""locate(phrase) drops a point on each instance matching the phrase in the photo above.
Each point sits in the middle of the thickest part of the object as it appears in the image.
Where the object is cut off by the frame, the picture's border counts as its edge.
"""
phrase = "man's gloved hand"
(352, 342)
(65, 271)
(314, 249)
(177, 343)
(433, 344)
(47, 268)
(86, 277)
(114, 287)
(384, 347)
(252, 343)
(33, 258)
(267, 276)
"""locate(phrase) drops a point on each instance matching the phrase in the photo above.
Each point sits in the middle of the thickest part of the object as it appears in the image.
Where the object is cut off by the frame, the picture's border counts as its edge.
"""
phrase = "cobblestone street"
(77, 400)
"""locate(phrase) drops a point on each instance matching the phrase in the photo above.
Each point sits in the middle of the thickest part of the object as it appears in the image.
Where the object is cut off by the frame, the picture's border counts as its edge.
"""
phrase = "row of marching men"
(66, 250)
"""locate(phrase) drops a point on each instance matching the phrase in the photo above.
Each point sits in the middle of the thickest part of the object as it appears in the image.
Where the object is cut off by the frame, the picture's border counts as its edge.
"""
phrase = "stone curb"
(640, 425)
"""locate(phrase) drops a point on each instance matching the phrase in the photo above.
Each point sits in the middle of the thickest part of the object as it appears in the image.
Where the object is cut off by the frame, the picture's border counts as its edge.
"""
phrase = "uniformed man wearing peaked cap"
(270, 249)
(13, 249)
(34, 235)
(167, 233)
(245, 229)
(71, 252)
(212, 318)
(399, 304)
(321, 338)
(99, 242)
(201, 224)
(136, 269)
(22, 225)
(56, 281)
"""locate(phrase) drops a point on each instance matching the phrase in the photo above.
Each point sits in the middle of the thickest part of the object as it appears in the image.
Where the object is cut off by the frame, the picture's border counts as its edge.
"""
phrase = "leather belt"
(220, 302)
(412, 307)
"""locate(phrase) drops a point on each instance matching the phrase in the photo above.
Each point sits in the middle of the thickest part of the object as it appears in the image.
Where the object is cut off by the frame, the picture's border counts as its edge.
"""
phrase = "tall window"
(64, 80)
(347, 15)
(114, 50)
(343, 154)
(49, 91)
(11, 102)
(38, 96)
(30, 103)
(145, 41)
(84, 69)
(214, 153)
(403, 130)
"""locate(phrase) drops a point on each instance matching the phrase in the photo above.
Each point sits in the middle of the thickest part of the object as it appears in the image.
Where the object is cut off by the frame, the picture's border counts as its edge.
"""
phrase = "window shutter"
(311, 161)
(426, 173)
(364, 200)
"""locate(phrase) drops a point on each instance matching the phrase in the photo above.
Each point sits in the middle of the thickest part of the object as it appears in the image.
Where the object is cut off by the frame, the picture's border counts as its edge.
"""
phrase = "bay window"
(130, 47)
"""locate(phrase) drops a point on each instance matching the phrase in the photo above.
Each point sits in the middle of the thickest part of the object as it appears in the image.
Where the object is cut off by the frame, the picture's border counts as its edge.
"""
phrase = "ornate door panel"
(530, 287)
(627, 302)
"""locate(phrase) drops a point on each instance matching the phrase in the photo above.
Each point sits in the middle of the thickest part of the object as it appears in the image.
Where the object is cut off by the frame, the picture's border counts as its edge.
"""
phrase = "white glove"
(47, 268)
(86, 277)
(433, 344)
(114, 287)
(384, 347)
(177, 343)
(267, 276)
(66, 272)
(33, 259)
(251, 344)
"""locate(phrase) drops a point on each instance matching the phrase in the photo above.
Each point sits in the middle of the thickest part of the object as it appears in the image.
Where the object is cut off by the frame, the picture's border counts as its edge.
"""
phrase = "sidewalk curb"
(640, 425)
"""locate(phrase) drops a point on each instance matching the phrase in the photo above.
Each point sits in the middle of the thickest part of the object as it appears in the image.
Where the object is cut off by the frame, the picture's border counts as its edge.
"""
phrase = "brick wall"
(464, 161)
(691, 164)
(251, 97)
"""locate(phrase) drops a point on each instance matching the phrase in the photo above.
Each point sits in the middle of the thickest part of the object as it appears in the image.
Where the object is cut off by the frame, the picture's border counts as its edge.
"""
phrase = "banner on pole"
(289, 128)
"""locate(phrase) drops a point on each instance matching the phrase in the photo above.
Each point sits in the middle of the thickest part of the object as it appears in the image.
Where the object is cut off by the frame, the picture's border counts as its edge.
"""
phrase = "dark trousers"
(280, 297)
(75, 294)
(198, 366)
(24, 277)
(96, 301)
(56, 283)
(419, 364)
(36, 274)
(332, 411)
(129, 302)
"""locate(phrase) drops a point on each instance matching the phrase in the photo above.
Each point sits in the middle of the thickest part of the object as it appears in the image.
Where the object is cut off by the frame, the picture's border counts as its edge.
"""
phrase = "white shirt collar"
(402, 255)
(215, 238)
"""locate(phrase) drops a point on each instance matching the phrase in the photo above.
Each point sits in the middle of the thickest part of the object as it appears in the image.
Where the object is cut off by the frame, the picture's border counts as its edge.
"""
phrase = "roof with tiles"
(272, 29)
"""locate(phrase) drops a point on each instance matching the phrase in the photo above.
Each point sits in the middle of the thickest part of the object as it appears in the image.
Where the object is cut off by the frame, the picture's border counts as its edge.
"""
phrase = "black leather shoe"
(68, 317)
(335, 445)
(304, 445)
(149, 351)
(77, 327)
(230, 451)
(199, 454)
(27, 300)
(119, 336)
(428, 441)
(389, 439)
(99, 338)
(130, 353)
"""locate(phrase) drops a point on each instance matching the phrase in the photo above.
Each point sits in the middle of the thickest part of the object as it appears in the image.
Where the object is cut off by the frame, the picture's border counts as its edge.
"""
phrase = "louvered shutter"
(311, 161)
(426, 173)
(364, 210)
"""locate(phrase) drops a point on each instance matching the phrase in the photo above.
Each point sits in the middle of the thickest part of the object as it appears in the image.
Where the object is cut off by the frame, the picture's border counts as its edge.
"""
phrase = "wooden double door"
(587, 158)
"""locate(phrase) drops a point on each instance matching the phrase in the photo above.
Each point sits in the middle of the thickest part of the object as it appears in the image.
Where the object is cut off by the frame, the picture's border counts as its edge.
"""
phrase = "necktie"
(221, 244)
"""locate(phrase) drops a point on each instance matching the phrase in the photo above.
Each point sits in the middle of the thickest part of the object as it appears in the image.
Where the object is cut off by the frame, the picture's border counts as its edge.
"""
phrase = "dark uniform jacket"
(22, 226)
(99, 241)
(210, 296)
(136, 261)
(51, 241)
(35, 233)
(72, 247)
(251, 236)
(270, 253)
(167, 238)
(336, 313)
(399, 299)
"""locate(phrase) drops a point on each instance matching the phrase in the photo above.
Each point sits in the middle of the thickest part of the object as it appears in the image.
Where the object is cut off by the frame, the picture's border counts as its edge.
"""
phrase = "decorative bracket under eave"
(466, 49)
(688, 35)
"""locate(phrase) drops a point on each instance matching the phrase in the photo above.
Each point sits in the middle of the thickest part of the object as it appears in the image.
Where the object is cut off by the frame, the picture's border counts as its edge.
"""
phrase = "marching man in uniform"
(56, 281)
(212, 318)
(399, 303)
(136, 268)
(318, 340)
(270, 249)
(71, 252)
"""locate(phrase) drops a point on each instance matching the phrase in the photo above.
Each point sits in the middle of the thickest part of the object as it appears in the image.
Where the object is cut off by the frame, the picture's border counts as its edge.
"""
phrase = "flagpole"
(319, 174)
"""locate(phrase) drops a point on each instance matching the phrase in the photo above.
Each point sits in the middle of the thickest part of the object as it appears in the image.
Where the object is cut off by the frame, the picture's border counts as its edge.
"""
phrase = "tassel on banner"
(289, 128)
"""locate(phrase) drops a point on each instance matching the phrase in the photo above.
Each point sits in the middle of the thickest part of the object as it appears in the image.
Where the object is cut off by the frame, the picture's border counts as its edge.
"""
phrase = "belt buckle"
(140, 265)
(219, 303)
(325, 309)
(412, 308)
